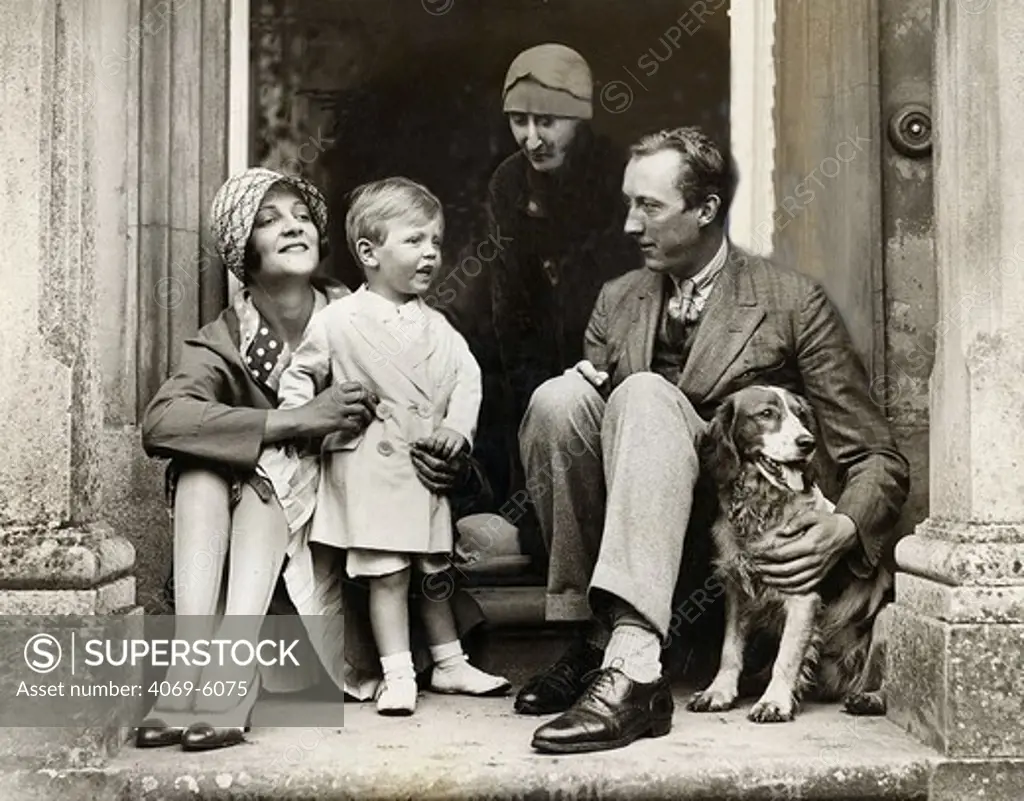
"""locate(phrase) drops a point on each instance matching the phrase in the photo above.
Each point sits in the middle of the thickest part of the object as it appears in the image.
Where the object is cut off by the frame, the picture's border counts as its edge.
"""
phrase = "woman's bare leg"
(259, 539)
(202, 522)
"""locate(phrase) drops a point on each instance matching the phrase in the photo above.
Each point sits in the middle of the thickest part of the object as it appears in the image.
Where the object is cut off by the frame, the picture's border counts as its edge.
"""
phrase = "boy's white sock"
(398, 694)
(398, 666)
(454, 674)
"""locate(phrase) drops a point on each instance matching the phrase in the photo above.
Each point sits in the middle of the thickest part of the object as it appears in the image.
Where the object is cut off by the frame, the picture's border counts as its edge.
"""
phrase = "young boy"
(369, 500)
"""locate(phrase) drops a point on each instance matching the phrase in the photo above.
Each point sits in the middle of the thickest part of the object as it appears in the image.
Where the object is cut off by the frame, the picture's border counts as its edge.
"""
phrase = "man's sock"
(636, 651)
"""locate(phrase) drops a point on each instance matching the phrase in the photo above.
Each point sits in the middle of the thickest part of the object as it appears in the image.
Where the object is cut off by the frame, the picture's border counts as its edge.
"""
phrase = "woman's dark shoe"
(204, 737)
(558, 688)
(612, 712)
(154, 733)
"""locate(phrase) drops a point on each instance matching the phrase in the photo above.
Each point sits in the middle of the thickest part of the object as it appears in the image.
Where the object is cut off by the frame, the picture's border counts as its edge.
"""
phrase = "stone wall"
(57, 554)
(163, 68)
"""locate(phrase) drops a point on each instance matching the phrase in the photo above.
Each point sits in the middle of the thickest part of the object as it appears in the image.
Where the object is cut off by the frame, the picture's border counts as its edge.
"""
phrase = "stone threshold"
(474, 749)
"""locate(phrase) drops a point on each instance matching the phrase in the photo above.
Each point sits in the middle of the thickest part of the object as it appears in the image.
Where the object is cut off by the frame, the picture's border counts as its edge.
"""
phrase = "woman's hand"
(444, 443)
(435, 472)
(345, 409)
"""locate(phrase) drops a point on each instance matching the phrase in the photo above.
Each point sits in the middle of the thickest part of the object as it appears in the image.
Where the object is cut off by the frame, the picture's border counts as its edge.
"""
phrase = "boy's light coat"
(421, 368)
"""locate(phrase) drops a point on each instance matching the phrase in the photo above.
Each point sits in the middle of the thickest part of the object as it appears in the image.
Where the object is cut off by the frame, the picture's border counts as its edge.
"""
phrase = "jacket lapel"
(406, 354)
(729, 319)
(646, 312)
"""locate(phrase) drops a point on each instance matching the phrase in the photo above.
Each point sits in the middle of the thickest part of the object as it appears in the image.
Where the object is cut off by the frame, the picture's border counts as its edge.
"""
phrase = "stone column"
(956, 659)
(56, 555)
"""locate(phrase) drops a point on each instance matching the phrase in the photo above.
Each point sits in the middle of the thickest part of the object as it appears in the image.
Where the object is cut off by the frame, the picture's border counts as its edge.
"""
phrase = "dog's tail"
(850, 661)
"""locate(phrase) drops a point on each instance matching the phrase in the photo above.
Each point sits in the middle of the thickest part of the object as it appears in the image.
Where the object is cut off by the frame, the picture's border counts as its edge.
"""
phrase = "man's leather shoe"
(612, 712)
(558, 687)
(154, 733)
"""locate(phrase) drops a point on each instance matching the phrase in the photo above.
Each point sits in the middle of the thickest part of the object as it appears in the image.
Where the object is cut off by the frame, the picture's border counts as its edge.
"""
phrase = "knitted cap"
(549, 79)
(236, 203)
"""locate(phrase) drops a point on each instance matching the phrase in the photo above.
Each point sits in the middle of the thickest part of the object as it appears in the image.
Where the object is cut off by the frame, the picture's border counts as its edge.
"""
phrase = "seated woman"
(212, 418)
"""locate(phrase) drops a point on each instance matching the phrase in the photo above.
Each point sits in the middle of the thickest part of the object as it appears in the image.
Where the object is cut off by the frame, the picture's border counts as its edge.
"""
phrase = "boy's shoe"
(462, 678)
(397, 697)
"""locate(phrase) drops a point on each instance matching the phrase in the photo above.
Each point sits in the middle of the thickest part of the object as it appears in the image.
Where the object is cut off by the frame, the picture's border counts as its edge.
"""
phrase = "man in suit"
(610, 447)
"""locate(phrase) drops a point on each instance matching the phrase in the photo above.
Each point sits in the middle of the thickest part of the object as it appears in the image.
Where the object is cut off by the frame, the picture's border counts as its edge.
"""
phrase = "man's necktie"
(680, 314)
(681, 306)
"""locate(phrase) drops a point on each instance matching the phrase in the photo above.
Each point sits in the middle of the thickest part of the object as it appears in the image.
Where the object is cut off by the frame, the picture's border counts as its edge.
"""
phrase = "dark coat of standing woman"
(556, 210)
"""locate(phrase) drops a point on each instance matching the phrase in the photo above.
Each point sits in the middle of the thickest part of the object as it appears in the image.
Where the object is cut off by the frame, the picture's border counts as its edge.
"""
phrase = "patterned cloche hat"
(236, 203)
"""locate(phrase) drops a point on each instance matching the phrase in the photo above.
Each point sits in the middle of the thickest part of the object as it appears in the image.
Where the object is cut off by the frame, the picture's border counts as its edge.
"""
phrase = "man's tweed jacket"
(764, 324)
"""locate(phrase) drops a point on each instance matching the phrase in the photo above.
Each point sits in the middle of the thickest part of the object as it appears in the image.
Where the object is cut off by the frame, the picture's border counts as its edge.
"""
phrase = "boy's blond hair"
(377, 203)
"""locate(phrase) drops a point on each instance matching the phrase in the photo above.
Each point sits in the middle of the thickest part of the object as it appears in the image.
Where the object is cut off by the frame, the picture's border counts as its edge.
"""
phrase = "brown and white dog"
(758, 451)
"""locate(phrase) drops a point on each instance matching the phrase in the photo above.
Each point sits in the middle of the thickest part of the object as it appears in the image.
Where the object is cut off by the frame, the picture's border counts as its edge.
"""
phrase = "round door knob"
(910, 130)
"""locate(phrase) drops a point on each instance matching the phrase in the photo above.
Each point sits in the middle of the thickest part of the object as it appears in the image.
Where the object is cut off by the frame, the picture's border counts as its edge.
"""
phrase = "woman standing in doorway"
(556, 211)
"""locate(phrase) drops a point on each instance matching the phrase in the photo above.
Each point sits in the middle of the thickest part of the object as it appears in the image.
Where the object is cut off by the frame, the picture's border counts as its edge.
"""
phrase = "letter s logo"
(42, 653)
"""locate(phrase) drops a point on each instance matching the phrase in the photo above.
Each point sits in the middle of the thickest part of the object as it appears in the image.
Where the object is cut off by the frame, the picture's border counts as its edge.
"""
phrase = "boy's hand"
(445, 443)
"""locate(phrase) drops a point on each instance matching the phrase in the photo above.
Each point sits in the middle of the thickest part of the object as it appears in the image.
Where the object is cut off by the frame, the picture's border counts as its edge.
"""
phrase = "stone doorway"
(346, 92)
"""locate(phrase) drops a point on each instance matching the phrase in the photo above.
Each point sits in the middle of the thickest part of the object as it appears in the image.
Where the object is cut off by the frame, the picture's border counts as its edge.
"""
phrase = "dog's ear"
(718, 455)
(813, 469)
(808, 413)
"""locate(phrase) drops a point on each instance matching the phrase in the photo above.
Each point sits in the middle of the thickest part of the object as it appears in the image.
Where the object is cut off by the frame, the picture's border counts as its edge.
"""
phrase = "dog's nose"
(806, 443)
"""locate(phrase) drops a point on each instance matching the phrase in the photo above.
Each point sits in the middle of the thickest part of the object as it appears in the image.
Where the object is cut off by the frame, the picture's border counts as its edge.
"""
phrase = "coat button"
(383, 411)
(385, 448)
(551, 270)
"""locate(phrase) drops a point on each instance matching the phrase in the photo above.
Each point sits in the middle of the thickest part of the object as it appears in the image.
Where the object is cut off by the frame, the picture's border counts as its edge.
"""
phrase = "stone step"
(464, 748)
(457, 748)
(478, 748)
(511, 606)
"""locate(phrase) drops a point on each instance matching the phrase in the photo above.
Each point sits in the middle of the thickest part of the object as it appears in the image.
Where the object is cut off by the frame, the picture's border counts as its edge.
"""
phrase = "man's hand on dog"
(797, 564)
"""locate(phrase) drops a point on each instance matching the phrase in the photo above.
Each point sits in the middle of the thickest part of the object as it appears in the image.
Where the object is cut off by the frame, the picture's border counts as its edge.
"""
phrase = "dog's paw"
(771, 712)
(711, 700)
(865, 704)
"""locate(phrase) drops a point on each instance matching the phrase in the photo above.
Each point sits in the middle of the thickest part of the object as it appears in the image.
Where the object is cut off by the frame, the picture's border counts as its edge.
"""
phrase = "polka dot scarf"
(263, 353)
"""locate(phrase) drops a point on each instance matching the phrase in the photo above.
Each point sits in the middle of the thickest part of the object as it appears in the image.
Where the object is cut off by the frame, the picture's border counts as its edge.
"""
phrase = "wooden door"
(910, 290)
(853, 182)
